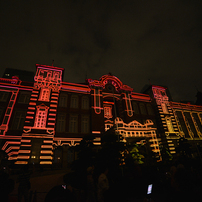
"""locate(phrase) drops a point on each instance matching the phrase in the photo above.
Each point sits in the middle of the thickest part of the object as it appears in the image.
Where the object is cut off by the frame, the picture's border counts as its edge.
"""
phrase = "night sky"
(135, 40)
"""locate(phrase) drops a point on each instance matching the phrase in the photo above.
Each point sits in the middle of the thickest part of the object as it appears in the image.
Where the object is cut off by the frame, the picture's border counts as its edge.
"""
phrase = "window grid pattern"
(107, 112)
(85, 124)
(63, 100)
(74, 101)
(73, 124)
(85, 103)
(3, 96)
(41, 117)
(19, 120)
(45, 94)
(61, 120)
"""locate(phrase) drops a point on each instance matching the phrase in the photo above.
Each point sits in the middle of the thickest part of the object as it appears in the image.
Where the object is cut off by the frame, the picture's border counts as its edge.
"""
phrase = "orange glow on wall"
(52, 119)
(47, 146)
(29, 117)
(25, 140)
(30, 112)
(52, 105)
(23, 157)
(46, 162)
(12, 158)
(48, 141)
(9, 142)
(11, 147)
(34, 99)
(46, 152)
(25, 145)
(46, 157)
(21, 162)
(53, 110)
(34, 95)
(24, 151)
(51, 124)
(32, 103)
(54, 101)
(52, 114)
(96, 132)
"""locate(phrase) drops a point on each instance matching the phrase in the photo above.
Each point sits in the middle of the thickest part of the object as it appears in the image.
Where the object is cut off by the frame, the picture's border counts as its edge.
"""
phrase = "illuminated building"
(38, 116)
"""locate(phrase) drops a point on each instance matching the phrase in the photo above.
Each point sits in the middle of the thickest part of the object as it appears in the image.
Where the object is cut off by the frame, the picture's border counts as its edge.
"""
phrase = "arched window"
(63, 100)
(45, 94)
(85, 124)
(74, 101)
(85, 102)
(143, 109)
(61, 122)
(41, 116)
(73, 124)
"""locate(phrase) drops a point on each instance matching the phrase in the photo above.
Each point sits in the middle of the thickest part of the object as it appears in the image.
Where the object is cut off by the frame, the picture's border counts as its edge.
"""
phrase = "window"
(164, 107)
(45, 94)
(24, 98)
(150, 110)
(143, 109)
(108, 112)
(85, 124)
(73, 124)
(85, 102)
(169, 125)
(135, 108)
(74, 101)
(41, 117)
(3, 96)
(18, 121)
(63, 100)
(61, 122)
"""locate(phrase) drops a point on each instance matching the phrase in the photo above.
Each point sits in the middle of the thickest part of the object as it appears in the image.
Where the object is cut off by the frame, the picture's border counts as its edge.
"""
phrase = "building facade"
(37, 117)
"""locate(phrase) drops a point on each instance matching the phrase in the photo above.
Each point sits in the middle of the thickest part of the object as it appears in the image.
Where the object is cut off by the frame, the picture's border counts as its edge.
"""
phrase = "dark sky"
(135, 40)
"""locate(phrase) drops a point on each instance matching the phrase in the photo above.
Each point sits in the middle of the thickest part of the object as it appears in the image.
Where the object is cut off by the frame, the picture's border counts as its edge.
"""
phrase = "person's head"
(90, 170)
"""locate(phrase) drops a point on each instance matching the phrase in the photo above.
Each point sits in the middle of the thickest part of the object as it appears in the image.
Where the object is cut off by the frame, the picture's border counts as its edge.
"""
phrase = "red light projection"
(45, 94)
(128, 104)
(97, 106)
(7, 116)
(41, 116)
(44, 97)
(98, 86)
(109, 79)
(48, 77)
